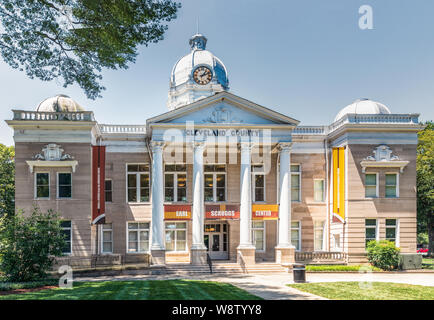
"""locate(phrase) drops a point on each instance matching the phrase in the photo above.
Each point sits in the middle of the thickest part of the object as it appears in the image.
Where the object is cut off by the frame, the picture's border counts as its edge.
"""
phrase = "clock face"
(202, 75)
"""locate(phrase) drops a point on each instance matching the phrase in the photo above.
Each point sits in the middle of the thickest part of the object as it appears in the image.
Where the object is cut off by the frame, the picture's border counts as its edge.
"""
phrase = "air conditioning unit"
(409, 261)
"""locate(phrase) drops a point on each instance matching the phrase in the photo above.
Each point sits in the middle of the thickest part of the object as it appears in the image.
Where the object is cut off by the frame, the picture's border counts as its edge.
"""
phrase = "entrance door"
(216, 240)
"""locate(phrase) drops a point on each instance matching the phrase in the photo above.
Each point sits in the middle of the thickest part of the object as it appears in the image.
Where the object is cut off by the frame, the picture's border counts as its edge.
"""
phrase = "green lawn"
(378, 291)
(140, 290)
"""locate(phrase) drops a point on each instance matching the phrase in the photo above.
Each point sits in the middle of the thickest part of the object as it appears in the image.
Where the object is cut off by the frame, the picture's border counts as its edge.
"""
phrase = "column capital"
(245, 146)
(157, 146)
(198, 144)
(284, 146)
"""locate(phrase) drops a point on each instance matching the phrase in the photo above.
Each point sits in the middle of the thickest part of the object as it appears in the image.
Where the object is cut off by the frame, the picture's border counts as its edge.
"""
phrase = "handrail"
(209, 261)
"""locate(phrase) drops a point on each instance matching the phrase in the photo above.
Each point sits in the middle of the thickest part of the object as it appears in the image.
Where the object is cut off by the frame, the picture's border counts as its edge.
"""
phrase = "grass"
(140, 290)
(367, 291)
(332, 268)
(428, 263)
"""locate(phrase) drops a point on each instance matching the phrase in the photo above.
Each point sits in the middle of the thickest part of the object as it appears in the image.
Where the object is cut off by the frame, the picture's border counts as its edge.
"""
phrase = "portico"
(217, 146)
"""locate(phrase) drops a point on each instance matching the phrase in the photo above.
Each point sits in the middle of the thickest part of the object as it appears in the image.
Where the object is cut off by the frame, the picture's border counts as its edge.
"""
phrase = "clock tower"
(197, 75)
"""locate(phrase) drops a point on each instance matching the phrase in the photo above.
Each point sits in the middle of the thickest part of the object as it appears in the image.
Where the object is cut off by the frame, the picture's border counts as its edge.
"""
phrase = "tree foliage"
(29, 244)
(425, 183)
(7, 180)
(74, 39)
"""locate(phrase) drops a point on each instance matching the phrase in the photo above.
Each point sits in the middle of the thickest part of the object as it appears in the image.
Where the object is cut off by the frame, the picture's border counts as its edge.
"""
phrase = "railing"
(374, 118)
(119, 128)
(209, 261)
(310, 130)
(321, 257)
(53, 116)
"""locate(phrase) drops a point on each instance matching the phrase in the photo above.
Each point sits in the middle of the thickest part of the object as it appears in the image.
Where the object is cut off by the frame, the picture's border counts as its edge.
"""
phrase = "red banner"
(222, 211)
(98, 183)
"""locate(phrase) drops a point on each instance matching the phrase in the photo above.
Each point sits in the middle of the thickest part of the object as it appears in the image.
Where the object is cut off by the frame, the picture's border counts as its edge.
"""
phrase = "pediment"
(225, 109)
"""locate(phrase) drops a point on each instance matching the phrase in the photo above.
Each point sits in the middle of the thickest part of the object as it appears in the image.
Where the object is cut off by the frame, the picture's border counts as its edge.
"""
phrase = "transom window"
(258, 183)
(391, 230)
(176, 236)
(318, 190)
(64, 185)
(175, 182)
(391, 185)
(215, 182)
(42, 185)
(138, 183)
(138, 236)
(296, 234)
(67, 234)
(258, 235)
(295, 182)
(371, 185)
(371, 230)
(106, 238)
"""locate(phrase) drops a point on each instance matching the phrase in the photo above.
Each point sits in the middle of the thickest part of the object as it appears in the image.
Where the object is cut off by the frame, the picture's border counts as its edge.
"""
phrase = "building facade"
(218, 176)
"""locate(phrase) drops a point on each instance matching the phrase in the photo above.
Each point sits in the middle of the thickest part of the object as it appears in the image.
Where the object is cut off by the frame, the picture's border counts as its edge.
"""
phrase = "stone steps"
(225, 268)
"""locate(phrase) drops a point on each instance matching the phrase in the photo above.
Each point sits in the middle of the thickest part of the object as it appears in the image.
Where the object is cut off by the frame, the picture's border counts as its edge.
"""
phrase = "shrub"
(29, 245)
(383, 254)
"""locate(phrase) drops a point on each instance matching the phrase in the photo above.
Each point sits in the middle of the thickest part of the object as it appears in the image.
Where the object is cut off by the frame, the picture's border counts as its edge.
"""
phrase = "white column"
(245, 197)
(285, 196)
(158, 242)
(198, 195)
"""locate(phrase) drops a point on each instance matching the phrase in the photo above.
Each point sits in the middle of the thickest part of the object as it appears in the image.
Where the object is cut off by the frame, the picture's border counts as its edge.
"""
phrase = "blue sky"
(306, 59)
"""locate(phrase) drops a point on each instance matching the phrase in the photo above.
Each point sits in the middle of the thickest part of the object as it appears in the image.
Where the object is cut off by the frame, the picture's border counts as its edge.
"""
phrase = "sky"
(306, 59)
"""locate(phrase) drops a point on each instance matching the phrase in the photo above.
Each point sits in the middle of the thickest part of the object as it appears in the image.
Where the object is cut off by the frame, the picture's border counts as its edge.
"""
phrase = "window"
(318, 190)
(319, 235)
(371, 230)
(42, 183)
(176, 236)
(64, 185)
(108, 188)
(295, 182)
(215, 182)
(67, 234)
(391, 185)
(337, 241)
(138, 236)
(392, 230)
(371, 190)
(106, 238)
(258, 182)
(175, 182)
(296, 235)
(138, 182)
(258, 235)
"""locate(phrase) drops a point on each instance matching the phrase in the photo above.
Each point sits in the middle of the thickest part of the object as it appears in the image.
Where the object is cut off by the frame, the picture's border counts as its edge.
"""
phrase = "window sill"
(41, 198)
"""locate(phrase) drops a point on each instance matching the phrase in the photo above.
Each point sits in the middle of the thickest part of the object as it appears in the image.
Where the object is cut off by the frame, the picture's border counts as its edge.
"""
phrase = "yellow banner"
(265, 211)
(177, 212)
(338, 155)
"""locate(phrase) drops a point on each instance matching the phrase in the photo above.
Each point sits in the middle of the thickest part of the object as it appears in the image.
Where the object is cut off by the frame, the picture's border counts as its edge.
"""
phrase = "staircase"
(224, 267)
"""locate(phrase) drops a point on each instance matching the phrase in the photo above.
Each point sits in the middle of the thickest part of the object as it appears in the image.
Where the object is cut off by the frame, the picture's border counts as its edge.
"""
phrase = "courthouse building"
(219, 176)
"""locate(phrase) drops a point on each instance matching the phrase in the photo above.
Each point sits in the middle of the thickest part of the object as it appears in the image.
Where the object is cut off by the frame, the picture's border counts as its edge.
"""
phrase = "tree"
(74, 39)
(7, 180)
(29, 244)
(425, 184)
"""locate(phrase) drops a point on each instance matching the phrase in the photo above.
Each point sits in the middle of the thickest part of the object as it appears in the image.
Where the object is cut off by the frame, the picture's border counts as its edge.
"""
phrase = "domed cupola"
(197, 75)
(363, 106)
(59, 103)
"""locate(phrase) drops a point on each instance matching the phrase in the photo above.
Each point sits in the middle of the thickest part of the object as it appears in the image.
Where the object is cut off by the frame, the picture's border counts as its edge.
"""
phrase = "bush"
(383, 254)
(29, 245)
